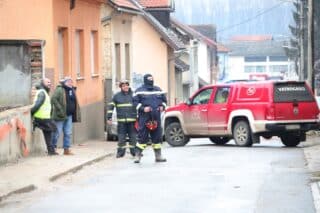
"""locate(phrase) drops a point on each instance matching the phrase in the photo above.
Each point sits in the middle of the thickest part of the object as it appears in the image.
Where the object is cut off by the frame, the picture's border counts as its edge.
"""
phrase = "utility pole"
(310, 44)
(301, 30)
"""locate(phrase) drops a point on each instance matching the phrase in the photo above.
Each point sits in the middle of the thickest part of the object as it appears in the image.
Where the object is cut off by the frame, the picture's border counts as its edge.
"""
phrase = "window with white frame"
(94, 53)
(79, 63)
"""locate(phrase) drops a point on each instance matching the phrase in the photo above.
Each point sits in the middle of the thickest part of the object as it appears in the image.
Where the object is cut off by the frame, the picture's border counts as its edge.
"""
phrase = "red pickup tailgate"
(294, 101)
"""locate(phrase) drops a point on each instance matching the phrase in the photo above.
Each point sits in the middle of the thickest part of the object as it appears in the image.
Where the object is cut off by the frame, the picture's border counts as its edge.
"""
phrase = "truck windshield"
(291, 91)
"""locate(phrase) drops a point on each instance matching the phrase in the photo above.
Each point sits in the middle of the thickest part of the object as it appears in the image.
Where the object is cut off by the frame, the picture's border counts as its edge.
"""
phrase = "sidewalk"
(312, 156)
(31, 172)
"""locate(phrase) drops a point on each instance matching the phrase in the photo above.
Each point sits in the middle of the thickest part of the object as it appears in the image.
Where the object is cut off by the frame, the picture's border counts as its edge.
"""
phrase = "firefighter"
(126, 117)
(150, 101)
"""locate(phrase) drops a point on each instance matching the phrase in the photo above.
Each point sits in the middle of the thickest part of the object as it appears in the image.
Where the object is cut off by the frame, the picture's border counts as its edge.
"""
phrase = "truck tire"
(175, 136)
(219, 140)
(290, 139)
(242, 134)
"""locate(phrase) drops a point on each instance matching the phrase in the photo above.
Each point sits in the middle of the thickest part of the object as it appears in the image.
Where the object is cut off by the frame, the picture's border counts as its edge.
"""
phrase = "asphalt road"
(198, 178)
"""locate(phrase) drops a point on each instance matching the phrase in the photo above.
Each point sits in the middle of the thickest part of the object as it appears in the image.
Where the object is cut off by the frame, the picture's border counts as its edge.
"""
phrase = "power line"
(252, 18)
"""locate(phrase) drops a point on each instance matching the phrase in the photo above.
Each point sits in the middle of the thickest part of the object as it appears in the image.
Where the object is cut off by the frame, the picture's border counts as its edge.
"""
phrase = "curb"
(316, 196)
(75, 169)
(79, 167)
(25, 189)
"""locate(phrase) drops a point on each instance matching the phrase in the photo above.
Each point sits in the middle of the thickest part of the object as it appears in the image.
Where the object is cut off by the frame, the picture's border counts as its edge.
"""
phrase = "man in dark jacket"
(65, 111)
(126, 117)
(41, 111)
(150, 101)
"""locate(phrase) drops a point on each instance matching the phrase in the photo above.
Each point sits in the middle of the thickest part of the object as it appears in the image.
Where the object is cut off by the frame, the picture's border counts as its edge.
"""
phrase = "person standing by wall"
(150, 101)
(41, 112)
(126, 117)
(65, 111)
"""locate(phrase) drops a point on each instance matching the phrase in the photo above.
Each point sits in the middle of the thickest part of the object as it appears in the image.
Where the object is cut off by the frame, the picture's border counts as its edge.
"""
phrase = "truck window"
(291, 91)
(202, 97)
(222, 95)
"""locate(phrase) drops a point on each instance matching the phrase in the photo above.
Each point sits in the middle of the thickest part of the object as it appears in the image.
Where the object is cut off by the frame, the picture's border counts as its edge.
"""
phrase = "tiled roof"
(189, 30)
(155, 3)
(124, 3)
(168, 36)
(256, 48)
(251, 38)
(208, 30)
(222, 48)
(181, 65)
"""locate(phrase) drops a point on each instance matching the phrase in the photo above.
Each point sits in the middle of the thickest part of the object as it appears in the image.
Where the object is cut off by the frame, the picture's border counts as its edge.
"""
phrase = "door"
(196, 114)
(218, 111)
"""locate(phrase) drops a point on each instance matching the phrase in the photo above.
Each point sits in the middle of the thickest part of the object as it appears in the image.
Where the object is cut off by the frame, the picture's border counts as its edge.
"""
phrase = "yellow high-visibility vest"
(44, 112)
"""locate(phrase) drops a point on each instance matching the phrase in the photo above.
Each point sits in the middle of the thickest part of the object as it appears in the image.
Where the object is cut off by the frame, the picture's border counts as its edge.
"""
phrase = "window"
(202, 97)
(117, 61)
(222, 95)
(278, 58)
(127, 51)
(63, 52)
(79, 53)
(94, 53)
(250, 69)
(255, 58)
(279, 68)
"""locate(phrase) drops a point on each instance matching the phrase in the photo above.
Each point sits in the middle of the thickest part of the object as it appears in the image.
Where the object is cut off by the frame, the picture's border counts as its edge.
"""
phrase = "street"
(198, 178)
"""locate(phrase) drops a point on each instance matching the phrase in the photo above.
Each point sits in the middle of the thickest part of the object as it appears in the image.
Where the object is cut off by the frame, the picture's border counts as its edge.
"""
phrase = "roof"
(155, 3)
(208, 30)
(256, 48)
(251, 38)
(134, 6)
(222, 48)
(181, 65)
(124, 4)
(193, 33)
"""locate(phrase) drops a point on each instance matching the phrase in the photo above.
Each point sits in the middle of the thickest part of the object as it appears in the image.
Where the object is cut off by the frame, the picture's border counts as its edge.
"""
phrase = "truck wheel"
(242, 133)
(290, 140)
(175, 136)
(219, 140)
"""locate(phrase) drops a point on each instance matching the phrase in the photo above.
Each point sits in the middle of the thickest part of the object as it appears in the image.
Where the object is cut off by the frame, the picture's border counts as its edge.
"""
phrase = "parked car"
(244, 111)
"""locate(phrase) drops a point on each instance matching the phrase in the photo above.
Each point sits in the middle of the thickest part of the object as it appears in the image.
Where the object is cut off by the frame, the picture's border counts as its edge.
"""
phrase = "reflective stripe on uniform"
(110, 111)
(156, 146)
(141, 146)
(111, 103)
(124, 105)
(126, 119)
(150, 93)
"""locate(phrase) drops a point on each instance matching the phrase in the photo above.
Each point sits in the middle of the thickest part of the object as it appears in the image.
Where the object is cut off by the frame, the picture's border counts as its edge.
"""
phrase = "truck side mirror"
(188, 102)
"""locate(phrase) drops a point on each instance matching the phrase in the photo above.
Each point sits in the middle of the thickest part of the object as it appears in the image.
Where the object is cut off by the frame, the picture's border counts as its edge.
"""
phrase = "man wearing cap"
(65, 111)
(126, 117)
(150, 101)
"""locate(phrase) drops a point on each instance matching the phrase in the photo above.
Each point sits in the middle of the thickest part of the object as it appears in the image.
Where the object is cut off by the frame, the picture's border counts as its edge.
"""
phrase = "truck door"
(218, 111)
(196, 114)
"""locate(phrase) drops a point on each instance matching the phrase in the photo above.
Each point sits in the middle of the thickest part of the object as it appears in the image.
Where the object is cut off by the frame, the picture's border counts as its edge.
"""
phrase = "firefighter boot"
(138, 155)
(120, 152)
(133, 152)
(158, 156)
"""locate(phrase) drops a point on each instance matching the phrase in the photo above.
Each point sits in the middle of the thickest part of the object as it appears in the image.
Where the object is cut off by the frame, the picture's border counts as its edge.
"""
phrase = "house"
(70, 31)
(223, 60)
(254, 56)
(139, 44)
(201, 55)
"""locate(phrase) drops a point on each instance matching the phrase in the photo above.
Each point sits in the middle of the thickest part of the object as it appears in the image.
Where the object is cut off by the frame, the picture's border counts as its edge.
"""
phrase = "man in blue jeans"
(65, 111)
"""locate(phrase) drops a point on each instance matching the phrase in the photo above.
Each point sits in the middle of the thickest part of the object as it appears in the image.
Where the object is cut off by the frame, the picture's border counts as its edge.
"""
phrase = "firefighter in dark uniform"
(126, 117)
(150, 101)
